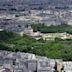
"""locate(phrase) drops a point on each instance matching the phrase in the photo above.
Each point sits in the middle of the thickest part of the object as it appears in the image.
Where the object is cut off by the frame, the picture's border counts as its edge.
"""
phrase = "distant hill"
(34, 3)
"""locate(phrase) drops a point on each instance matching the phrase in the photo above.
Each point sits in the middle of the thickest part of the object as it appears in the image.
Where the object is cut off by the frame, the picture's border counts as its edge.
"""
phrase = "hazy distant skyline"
(50, 1)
